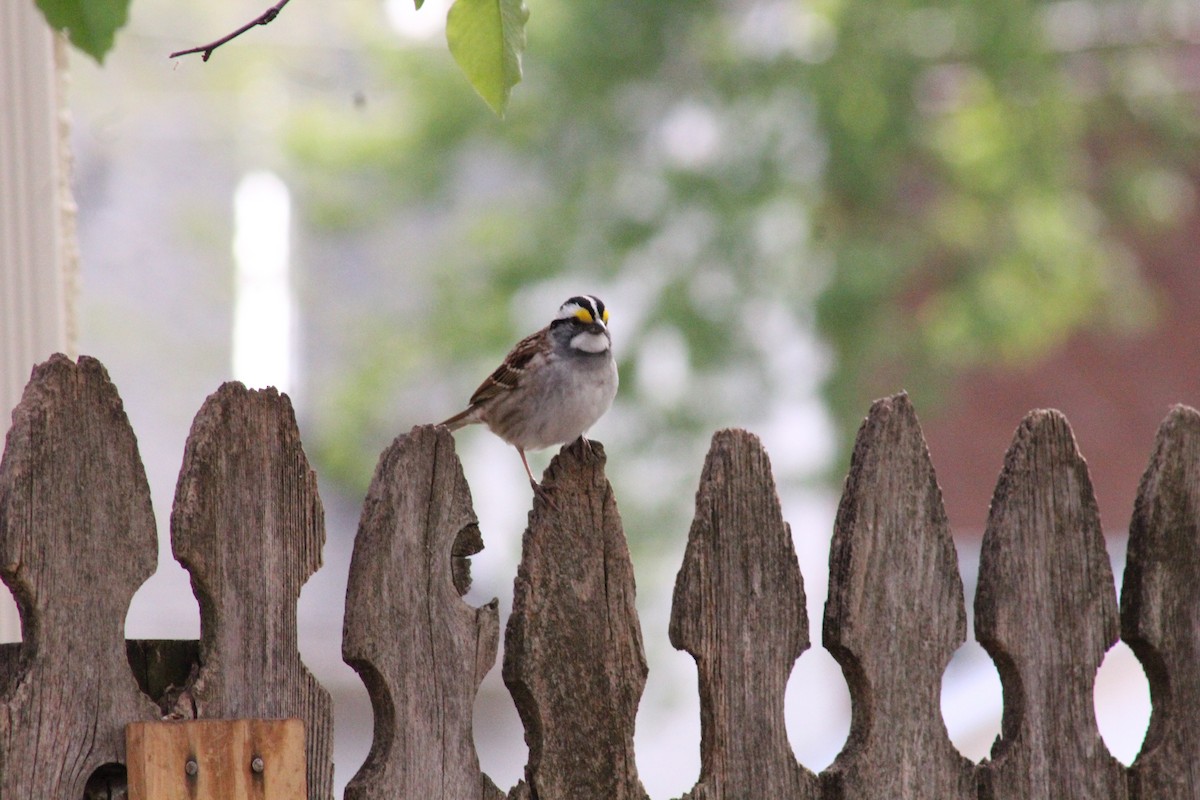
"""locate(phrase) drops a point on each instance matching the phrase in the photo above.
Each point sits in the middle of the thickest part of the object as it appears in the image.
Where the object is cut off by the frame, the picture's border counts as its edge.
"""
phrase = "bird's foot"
(544, 493)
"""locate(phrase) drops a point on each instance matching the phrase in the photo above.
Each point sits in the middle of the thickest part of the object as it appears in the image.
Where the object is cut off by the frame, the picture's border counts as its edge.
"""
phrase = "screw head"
(191, 767)
(257, 764)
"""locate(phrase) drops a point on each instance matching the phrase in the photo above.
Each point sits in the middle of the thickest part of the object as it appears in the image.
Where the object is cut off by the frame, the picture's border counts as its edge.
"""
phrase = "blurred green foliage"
(91, 25)
(920, 187)
(486, 38)
(968, 199)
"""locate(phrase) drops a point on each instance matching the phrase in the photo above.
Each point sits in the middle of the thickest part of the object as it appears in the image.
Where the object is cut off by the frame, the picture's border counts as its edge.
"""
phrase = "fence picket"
(739, 610)
(894, 617)
(573, 657)
(1160, 609)
(1046, 612)
(248, 525)
(420, 650)
(77, 538)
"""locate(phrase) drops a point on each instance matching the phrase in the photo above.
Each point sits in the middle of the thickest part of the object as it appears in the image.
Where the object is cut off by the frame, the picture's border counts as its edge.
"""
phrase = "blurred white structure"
(264, 310)
(37, 238)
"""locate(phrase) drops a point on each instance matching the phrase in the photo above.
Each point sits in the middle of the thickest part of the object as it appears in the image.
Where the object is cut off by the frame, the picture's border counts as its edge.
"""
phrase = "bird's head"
(584, 321)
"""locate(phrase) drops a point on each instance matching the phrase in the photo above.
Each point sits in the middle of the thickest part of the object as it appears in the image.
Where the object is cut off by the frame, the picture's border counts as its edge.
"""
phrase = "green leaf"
(90, 24)
(487, 38)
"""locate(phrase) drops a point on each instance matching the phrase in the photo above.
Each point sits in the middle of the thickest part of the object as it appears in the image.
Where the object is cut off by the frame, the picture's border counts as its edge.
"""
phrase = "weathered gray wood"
(1160, 610)
(573, 657)
(249, 527)
(420, 650)
(161, 667)
(739, 610)
(77, 539)
(10, 664)
(894, 617)
(1046, 612)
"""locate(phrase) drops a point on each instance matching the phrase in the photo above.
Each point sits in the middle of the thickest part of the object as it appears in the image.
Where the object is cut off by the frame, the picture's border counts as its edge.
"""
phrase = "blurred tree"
(917, 186)
(979, 160)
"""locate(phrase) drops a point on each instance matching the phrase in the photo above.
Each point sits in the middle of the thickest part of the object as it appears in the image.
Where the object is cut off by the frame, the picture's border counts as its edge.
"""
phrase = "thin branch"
(207, 49)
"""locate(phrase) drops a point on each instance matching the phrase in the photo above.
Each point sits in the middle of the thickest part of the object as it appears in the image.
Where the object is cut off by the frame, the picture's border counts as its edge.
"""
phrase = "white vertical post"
(37, 215)
(36, 210)
(264, 310)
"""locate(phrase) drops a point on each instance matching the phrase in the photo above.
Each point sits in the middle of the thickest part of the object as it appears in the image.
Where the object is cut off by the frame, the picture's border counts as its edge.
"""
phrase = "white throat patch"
(590, 342)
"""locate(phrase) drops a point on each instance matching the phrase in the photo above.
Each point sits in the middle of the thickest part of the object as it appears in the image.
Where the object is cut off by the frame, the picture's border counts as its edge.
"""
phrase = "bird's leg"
(538, 489)
(528, 471)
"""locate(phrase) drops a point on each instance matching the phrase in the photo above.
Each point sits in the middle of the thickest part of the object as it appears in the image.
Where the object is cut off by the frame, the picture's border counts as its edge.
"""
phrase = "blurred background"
(790, 208)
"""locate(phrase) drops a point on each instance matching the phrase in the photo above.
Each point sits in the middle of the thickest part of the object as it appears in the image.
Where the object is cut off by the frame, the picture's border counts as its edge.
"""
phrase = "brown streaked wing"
(508, 373)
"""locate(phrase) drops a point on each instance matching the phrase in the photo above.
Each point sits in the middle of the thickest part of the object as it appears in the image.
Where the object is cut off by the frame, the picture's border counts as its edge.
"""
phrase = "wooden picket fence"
(77, 538)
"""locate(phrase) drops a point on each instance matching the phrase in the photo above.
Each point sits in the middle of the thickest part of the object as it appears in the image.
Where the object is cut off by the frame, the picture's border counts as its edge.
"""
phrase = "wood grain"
(224, 753)
(1046, 612)
(77, 539)
(739, 609)
(248, 525)
(894, 617)
(1160, 609)
(573, 657)
(420, 650)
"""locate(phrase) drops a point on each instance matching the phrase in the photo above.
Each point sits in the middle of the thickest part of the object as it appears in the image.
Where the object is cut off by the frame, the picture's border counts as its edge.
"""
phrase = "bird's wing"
(509, 373)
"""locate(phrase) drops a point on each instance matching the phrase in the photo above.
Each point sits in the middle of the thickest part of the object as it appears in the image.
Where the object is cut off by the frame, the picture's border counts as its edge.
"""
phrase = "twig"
(207, 49)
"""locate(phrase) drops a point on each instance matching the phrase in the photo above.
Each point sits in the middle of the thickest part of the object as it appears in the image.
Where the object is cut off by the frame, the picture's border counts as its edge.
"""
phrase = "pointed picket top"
(1160, 606)
(77, 539)
(739, 610)
(1046, 612)
(573, 657)
(248, 526)
(895, 616)
(420, 649)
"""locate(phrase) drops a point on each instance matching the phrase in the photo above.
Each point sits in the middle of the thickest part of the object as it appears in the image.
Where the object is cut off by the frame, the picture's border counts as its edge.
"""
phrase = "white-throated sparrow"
(553, 385)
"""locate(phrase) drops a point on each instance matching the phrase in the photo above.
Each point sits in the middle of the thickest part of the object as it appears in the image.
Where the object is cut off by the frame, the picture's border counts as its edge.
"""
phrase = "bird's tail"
(460, 419)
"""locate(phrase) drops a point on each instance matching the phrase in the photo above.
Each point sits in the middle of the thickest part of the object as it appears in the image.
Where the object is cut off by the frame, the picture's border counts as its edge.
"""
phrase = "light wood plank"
(244, 759)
